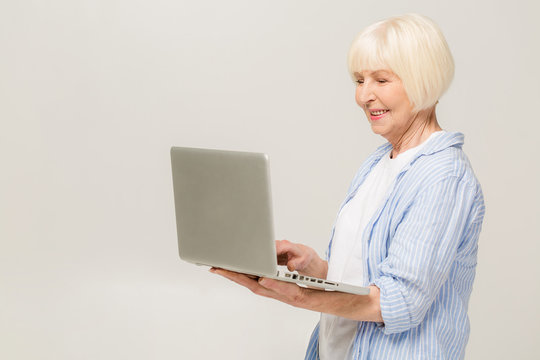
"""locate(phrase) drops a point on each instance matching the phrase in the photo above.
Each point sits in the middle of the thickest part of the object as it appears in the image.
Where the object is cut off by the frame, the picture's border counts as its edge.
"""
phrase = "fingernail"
(262, 281)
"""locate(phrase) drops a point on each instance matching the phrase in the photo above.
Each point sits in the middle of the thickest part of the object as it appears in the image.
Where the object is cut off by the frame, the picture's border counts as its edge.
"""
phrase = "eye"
(382, 81)
(360, 81)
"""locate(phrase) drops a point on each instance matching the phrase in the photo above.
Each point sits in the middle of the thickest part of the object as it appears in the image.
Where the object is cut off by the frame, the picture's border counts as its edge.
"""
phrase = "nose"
(364, 94)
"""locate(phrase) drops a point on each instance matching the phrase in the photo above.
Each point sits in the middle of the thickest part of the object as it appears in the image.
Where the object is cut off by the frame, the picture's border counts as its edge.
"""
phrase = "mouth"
(377, 114)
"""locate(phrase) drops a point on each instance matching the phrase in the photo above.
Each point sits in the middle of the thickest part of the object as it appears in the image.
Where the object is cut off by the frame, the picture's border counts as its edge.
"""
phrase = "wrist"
(375, 304)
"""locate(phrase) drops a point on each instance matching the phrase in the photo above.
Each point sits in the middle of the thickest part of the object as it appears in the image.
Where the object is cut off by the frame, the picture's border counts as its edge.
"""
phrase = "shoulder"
(442, 171)
(444, 160)
(451, 162)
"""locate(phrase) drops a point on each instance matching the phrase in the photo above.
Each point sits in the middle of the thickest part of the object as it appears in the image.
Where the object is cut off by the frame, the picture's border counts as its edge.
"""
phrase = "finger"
(246, 281)
(279, 290)
(282, 259)
(284, 246)
(291, 265)
(238, 278)
(285, 252)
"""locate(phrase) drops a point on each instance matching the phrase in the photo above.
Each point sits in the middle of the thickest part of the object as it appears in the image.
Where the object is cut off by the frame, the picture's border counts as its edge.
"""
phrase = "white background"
(93, 94)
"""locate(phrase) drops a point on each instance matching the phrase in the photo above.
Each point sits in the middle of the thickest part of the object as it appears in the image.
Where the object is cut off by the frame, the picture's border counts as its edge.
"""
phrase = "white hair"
(413, 47)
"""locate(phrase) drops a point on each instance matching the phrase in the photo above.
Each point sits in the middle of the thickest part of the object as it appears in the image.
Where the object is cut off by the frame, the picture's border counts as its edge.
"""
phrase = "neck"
(422, 125)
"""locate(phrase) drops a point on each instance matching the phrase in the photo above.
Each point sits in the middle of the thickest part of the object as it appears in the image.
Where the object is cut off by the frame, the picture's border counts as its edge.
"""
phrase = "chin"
(379, 130)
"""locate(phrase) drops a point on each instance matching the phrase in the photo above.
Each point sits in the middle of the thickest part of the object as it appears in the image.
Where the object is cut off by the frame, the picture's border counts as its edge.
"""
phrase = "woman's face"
(382, 96)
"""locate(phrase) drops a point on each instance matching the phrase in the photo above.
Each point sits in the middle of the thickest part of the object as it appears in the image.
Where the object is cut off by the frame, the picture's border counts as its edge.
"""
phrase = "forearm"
(355, 307)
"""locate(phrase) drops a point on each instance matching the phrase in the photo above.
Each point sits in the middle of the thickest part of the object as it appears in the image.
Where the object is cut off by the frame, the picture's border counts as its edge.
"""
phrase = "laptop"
(224, 215)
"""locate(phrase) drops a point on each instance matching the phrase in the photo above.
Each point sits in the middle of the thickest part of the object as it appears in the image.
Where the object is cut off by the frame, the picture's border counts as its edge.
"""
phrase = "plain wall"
(94, 93)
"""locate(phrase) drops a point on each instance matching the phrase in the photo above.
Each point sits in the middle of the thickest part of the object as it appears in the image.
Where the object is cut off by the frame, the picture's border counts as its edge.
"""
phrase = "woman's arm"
(355, 307)
(443, 221)
(302, 258)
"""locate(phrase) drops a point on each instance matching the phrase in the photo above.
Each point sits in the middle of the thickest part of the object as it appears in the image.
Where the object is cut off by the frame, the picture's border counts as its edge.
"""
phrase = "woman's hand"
(355, 307)
(305, 260)
(301, 258)
(288, 293)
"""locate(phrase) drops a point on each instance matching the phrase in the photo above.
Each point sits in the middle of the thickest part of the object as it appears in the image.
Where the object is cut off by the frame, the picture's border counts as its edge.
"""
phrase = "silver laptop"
(224, 215)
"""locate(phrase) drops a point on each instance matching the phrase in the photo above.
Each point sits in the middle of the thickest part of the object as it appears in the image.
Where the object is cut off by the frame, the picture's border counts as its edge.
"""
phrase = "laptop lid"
(223, 209)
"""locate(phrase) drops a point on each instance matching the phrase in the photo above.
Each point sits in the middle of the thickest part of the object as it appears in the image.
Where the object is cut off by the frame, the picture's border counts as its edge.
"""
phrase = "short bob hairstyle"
(412, 47)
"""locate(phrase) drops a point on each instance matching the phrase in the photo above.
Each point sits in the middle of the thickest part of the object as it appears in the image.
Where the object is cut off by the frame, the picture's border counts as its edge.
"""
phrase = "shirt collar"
(439, 143)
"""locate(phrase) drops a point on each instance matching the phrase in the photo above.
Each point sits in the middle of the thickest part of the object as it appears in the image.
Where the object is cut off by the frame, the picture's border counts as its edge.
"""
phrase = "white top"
(337, 334)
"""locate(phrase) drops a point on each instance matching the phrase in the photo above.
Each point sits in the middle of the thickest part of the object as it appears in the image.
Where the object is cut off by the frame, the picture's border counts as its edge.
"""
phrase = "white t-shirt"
(336, 334)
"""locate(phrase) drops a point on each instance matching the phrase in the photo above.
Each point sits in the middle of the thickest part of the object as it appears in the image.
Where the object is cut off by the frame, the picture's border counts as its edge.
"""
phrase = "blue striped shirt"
(420, 249)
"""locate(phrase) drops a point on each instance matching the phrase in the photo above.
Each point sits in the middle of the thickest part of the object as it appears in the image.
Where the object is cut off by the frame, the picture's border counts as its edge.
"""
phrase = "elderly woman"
(410, 222)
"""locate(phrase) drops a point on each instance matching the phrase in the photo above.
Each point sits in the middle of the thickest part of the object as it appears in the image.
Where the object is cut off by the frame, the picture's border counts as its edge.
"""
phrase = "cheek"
(402, 101)
(357, 97)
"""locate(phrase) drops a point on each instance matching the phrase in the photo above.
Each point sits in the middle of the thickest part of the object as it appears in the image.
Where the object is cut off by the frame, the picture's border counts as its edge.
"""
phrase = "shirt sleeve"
(422, 251)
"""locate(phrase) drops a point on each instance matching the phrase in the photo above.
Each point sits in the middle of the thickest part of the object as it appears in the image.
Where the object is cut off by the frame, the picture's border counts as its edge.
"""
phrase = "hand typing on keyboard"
(301, 258)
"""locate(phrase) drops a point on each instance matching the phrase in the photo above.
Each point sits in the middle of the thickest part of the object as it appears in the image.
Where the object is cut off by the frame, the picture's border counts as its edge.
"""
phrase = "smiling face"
(382, 96)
